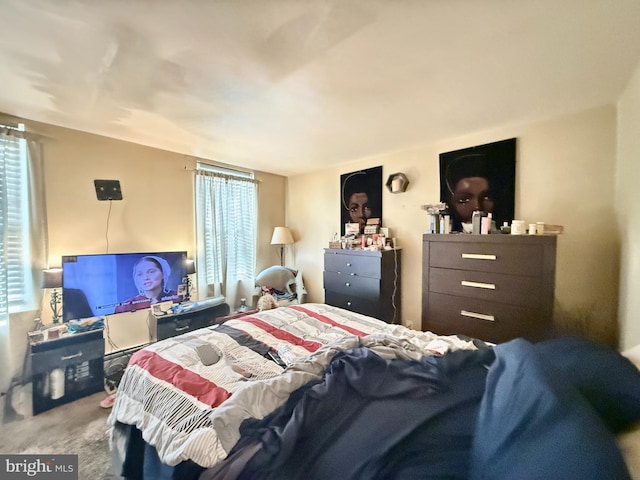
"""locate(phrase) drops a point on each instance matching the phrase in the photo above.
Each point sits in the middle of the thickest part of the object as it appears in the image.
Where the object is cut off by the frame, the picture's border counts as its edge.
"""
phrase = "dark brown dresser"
(490, 287)
(364, 281)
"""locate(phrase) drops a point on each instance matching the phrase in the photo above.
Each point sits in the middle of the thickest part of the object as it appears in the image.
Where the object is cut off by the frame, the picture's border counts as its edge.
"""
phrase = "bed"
(315, 391)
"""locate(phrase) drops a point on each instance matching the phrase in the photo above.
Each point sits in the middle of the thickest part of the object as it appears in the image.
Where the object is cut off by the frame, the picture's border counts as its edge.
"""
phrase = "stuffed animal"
(267, 302)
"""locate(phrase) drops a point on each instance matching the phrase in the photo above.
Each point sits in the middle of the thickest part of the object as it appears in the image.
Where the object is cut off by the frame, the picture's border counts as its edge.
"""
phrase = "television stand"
(192, 318)
(66, 369)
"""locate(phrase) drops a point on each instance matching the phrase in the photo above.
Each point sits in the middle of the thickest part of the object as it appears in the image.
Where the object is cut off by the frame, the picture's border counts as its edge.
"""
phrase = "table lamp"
(52, 278)
(281, 236)
(191, 269)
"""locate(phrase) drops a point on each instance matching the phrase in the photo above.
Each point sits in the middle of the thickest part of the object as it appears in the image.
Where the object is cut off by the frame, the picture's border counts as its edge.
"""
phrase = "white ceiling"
(289, 86)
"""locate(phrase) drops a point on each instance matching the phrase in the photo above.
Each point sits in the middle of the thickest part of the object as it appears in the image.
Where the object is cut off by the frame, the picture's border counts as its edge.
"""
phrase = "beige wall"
(156, 213)
(628, 215)
(565, 175)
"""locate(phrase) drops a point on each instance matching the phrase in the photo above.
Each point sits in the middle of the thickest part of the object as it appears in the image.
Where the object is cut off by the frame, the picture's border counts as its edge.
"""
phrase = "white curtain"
(226, 223)
(23, 256)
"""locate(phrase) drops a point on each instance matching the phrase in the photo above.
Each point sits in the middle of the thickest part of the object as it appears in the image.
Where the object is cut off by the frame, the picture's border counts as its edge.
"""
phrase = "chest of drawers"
(491, 287)
(364, 281)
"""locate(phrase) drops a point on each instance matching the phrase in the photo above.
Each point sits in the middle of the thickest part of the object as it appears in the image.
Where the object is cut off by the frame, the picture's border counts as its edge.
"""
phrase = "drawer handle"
(182, 329)
(353, 274)
(69, 357)
(481, 316)
(479, 256)
(488, 286)
(348, 264)
(348, 304)
(347, 284)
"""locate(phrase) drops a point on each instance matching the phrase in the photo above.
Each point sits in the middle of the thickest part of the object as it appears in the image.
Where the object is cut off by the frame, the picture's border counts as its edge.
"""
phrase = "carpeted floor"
(74, 428)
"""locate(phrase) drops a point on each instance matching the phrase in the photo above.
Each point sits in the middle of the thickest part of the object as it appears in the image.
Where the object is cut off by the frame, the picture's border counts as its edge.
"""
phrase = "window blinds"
(14, 256)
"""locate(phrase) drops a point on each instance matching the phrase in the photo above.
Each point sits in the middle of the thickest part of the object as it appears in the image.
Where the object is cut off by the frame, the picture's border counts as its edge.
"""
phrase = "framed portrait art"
(361, 197)
(479, 178)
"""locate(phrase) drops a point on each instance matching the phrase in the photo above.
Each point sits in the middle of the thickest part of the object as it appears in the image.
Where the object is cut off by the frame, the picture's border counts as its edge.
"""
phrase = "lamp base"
(56, 300)
(189, 284)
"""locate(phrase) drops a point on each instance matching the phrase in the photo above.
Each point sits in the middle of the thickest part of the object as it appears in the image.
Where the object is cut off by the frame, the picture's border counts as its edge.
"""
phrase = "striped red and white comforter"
(187, 410)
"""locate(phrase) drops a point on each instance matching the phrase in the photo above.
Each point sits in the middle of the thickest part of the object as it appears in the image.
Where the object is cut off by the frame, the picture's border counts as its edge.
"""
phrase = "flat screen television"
(103, 284)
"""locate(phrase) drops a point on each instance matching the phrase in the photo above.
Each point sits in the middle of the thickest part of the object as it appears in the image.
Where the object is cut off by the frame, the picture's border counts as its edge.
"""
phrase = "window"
(16, 286)
(226, 223)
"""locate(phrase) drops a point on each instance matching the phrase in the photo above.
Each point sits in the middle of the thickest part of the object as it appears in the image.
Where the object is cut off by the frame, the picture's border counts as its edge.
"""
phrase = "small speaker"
(108, 189)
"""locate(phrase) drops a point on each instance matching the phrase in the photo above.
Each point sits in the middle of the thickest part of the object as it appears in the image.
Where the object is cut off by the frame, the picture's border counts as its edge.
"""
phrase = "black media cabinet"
(199, 316)
(66, 368)
(72, 366)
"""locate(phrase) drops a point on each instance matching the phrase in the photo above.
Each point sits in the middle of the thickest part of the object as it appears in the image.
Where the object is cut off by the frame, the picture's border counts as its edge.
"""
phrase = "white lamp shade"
(281, 236)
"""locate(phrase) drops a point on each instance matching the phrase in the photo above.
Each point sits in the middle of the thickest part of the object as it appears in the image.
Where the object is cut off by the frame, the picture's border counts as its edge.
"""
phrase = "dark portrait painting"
(479, 178)
(361, 196)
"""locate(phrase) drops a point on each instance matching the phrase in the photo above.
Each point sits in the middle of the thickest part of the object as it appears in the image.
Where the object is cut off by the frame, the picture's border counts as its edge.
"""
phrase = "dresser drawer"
(487, 257)
(496, 287)
(353, 265)
(353, 285)
(489, 321)
(177, 327)
(361, 305)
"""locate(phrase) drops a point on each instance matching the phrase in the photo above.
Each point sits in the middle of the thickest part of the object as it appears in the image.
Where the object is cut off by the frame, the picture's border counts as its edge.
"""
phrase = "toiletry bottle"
(485, 224)
(435, 223)
(445, 221)
(476, 222)
(517, 227)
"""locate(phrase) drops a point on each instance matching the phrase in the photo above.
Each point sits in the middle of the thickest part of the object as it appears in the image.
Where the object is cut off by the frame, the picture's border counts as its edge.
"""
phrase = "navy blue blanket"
(535, 423)
(515, 411)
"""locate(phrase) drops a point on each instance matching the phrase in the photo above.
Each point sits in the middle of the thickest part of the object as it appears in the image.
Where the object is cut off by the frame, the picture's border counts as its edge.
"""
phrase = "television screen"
(95, 285)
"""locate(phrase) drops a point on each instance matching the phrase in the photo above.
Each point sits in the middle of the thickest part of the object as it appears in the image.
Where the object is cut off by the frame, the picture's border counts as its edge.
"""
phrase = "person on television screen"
(150, 275)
